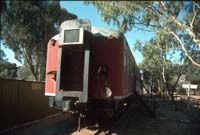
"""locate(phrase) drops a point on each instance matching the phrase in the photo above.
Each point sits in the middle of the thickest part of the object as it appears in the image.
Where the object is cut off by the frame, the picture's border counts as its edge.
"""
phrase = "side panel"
(129, 77)
(51, 67)
(105, 51)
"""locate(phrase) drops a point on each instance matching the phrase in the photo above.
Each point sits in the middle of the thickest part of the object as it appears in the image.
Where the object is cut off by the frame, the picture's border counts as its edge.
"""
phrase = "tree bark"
(29, 63)
(171, 91)
(183, 48)
(171, 94)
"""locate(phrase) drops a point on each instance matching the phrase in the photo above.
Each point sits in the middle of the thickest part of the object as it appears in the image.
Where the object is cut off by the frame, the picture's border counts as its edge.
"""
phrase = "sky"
(90, 12)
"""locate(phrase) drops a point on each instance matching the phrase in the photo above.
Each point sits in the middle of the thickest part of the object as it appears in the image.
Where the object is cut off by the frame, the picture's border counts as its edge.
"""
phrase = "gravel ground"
(135, 122)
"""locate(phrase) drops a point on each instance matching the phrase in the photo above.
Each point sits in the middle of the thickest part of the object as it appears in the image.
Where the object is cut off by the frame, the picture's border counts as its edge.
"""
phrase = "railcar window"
(127, 62)
(71, 35)
(125, 59)
(129, 65)
(131, 68)
(135, 69)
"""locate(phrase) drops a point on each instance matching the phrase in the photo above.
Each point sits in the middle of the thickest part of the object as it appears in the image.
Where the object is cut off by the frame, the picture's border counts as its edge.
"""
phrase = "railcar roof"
(86, 24)
(101, 31)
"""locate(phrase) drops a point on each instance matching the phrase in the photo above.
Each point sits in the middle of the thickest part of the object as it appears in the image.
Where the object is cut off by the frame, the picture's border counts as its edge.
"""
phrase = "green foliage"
(27, 27)
(155, 62)
(7, 69)
(181, 91)
(24, 73)
(152, 63)
(118, 12)
(193, 74)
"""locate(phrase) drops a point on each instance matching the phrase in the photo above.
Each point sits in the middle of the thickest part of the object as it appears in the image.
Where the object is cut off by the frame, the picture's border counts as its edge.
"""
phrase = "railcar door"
(71, 72)
(73, 66)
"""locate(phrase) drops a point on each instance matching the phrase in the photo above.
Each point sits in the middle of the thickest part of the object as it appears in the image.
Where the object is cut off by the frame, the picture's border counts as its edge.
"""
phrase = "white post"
(188, 98)
(188, 94)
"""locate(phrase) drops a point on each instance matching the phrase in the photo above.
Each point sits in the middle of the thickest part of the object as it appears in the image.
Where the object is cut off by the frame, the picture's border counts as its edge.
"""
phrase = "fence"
(191, 103)
(22, 101)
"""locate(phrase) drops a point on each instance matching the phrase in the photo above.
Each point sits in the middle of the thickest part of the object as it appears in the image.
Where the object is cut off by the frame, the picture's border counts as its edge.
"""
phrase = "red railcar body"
(108, 54)
(51, 68)
(105, 51)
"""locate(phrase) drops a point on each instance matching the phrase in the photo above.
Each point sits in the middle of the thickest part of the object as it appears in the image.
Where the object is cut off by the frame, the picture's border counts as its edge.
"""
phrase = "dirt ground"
(166, 122)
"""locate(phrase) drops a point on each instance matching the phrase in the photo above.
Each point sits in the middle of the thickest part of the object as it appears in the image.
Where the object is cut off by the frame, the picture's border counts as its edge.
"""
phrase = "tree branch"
(142, 29)
(187, 28)
(196, 4)
(163, 75)
(155, 10)
(152, 25)
(179, 75)
(194, 16)
(183, 48)
(171, 16)
(167, 49)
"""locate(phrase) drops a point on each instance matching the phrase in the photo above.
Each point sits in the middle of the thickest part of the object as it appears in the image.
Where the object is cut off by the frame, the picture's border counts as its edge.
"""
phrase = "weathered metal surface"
(84, 97)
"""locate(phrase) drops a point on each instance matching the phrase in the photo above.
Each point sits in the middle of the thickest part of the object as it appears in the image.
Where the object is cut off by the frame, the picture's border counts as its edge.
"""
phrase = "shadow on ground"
(136, 121)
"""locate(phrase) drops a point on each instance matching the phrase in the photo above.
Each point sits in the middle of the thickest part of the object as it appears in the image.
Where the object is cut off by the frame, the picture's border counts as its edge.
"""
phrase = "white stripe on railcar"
(50, 94)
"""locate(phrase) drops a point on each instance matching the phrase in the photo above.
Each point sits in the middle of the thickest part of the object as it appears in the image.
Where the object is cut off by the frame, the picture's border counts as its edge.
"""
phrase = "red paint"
(51, 65)
(107, 51)
(103, 51)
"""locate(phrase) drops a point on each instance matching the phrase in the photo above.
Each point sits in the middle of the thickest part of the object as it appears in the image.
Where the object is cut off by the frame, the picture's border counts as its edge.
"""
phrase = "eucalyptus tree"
(23, 73)
(178, 20)
(152, 64)
(7, 69)
(26, 27)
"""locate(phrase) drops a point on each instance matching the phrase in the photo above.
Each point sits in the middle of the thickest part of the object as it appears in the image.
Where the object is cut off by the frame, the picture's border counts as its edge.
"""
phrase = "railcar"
(89, 69)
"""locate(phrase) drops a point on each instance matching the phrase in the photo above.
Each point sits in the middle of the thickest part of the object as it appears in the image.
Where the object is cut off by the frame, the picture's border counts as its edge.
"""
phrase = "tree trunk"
(171, 94)
(29, 63)
(170, 91)
(174, 102)
(158, 87)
